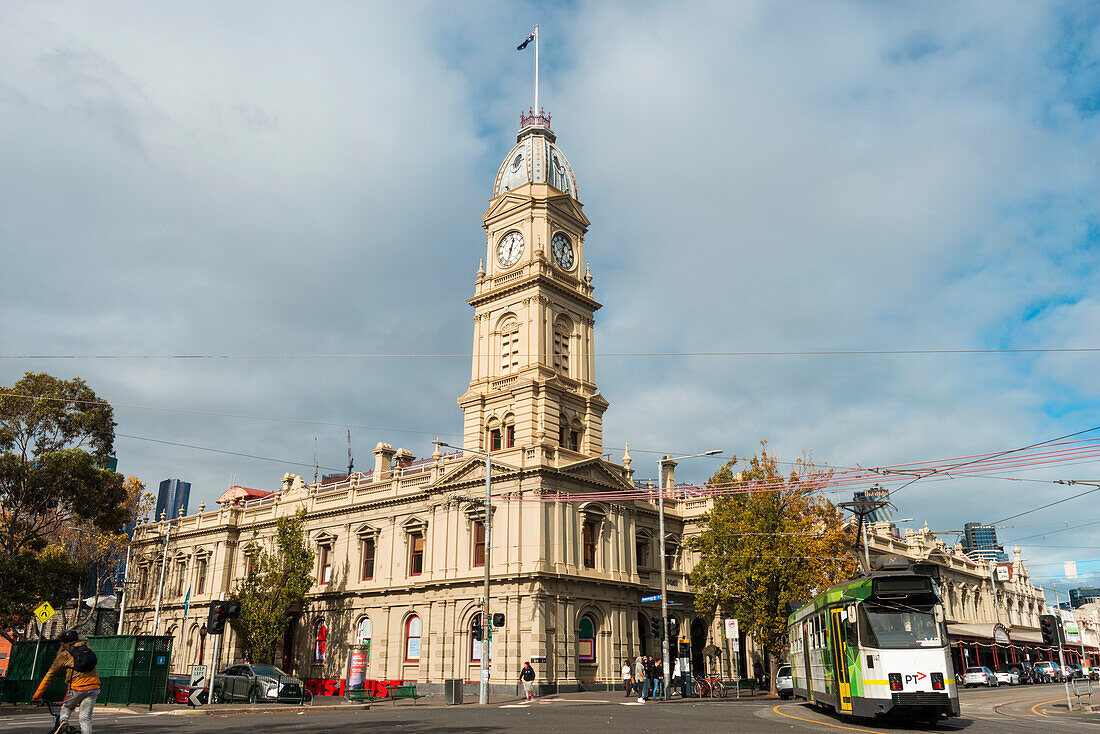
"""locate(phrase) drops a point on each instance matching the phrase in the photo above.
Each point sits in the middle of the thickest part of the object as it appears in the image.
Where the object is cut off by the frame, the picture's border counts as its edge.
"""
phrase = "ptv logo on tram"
(915, 677)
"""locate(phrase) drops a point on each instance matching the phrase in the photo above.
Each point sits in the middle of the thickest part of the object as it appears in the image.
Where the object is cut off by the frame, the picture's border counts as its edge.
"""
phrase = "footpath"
(338, 703)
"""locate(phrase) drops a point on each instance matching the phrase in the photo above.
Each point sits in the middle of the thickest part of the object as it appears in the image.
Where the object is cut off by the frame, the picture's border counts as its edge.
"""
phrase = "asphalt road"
(1007, 709)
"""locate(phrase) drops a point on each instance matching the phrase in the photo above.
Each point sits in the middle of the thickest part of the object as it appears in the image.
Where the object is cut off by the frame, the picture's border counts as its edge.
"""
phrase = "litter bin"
(452, 691)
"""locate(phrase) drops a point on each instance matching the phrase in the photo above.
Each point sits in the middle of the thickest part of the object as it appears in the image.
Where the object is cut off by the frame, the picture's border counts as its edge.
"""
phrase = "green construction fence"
(132, 669)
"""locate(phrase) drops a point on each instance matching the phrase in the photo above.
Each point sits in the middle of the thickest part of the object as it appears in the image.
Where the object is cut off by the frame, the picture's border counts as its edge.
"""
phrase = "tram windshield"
(899, 626)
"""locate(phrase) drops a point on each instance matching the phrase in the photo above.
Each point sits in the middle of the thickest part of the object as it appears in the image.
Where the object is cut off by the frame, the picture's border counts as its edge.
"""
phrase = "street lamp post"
(664, 561)
(163, 569)
(486, 624)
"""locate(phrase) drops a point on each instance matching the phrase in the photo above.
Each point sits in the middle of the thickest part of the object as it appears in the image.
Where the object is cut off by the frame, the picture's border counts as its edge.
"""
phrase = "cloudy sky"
(294, 179)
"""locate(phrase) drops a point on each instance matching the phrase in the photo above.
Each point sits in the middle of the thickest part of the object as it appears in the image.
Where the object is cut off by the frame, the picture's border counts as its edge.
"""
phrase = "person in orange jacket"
(82, 688)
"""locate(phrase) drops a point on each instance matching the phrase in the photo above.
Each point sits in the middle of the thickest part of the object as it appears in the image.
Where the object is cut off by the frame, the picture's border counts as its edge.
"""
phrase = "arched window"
(562, 331)
(320, 641)
(412, 639)
(509, 347)
(363, 631)
(476, 646)
(586, 640)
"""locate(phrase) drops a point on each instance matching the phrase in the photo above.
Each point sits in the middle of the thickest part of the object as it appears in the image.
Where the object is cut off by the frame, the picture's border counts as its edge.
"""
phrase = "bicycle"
(709, 686)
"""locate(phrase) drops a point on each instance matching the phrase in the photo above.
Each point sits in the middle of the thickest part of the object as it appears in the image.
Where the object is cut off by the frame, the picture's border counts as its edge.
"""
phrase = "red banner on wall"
(334, 687)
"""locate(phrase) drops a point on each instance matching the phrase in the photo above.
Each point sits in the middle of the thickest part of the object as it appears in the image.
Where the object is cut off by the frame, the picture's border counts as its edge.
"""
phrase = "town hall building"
(400, 550)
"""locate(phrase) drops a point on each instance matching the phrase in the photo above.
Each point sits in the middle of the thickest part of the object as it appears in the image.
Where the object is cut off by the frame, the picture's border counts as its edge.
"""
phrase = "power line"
(227, 415)
(220, 451)
(1050, 504)
(467, 355)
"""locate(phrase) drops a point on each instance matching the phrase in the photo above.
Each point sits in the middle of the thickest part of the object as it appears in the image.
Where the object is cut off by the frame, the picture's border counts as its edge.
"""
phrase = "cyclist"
(82, 679)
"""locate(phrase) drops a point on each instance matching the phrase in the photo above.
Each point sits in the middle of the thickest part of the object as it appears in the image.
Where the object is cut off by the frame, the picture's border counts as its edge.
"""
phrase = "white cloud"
(760, 176)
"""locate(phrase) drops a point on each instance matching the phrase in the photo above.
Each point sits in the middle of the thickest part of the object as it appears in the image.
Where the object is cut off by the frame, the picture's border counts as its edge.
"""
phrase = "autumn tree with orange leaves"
(770, 539)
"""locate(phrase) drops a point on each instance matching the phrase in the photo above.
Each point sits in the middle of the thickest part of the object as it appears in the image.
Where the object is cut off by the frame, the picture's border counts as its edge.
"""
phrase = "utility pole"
(163, 569)
(665, 667)
(1061, 655)
(486, 618)
(125, 583)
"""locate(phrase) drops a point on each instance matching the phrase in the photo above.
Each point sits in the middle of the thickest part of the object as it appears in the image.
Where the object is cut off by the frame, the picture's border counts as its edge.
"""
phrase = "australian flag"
(526, 41)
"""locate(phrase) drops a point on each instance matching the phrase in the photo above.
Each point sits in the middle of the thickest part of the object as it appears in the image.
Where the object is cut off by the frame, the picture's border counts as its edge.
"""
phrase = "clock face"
(509, 249)
(562, 251)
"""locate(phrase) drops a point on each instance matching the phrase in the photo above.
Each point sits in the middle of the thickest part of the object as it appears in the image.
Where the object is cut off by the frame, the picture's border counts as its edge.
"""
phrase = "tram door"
(840, 658)
(806, 660)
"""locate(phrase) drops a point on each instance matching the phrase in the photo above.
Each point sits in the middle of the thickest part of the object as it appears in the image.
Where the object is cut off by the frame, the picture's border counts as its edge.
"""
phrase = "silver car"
(979, 675)
(255, 684)
(784, 683)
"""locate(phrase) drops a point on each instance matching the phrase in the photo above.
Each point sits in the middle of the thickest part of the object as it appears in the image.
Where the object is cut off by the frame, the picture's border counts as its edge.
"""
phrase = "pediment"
(505, 204)
(473, 468)
(324, 538)
(598, 472)
(366, 530)
(568, 206)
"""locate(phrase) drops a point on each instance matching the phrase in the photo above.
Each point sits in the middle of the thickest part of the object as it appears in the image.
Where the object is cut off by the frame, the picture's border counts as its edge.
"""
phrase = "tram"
(875, 646)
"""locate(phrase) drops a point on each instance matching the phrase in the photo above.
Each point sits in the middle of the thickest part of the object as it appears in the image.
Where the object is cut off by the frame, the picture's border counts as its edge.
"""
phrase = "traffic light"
(673, 628)
(478, 631)
(215, 622)
(498, 619)
(233, 609)
(1050, 629)
(655, 627)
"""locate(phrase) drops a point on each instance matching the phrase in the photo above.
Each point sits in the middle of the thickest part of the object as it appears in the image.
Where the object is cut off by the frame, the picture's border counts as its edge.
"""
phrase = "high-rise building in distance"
(1083, 595)
(172, 497)
(876, 494)
(980, 543)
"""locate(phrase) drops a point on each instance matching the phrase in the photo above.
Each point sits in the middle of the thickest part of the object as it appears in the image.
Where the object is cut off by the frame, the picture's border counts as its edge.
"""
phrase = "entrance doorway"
(643, 635)
(698, 642)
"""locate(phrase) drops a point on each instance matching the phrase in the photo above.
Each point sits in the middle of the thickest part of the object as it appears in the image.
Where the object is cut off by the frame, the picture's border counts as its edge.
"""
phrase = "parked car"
(979, 676)
(1025, 671)
(1007, 677)
(784, 683)
(1075, 672)
(179, 688)
(1050, 671)
(254, 683)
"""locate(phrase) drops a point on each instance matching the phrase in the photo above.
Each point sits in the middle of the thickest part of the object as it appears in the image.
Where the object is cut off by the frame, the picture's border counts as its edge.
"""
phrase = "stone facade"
(399, 560)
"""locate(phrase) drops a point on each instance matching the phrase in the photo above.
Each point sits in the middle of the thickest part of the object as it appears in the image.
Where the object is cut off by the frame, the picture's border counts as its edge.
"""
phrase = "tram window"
(899, 627)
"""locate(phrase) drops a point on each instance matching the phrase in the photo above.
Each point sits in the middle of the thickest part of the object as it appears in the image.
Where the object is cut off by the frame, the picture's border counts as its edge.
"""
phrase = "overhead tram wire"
(1002, 453)
(633, 355)
(1049, 504)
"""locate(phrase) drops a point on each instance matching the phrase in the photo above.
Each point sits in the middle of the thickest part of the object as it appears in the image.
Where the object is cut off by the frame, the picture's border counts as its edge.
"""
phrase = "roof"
(535, 158)
(242, 493)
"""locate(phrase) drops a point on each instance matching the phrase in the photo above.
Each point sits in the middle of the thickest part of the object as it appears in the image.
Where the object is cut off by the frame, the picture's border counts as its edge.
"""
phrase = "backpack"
(84, 660)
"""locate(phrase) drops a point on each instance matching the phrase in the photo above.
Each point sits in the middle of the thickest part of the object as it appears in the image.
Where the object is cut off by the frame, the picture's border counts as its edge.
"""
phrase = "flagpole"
(536, 70)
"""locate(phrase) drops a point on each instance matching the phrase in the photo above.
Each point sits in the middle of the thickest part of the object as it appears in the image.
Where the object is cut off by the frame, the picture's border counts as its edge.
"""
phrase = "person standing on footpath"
(675, 675)
(639, 677)
(758, 673)
(658, 679)
(82, 681)
(527, 677)
(628, 676)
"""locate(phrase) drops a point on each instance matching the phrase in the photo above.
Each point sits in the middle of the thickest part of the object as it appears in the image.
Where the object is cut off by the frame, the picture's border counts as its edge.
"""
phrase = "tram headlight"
(895, 681)
(937, 681)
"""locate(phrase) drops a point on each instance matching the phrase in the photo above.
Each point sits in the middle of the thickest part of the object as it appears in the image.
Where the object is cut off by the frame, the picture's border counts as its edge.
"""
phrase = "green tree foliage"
(772, 541)
(281, 576)
(55, 437)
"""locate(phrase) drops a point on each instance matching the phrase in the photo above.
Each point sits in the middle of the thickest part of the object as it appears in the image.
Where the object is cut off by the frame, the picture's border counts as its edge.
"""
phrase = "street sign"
(44, 611)
(1071, 569)
(198, 676)
(651, 598)
(195, 699)
(732, 630)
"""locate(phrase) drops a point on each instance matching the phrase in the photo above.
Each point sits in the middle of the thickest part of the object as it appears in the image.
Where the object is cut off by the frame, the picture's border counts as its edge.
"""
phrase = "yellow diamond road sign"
(44, 611)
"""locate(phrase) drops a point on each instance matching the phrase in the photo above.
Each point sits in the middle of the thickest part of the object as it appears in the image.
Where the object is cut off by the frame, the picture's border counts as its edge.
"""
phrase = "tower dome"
(535, 159)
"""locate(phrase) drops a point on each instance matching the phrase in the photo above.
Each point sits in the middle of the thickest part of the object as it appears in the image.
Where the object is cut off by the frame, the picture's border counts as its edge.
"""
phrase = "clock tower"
(533, 378)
